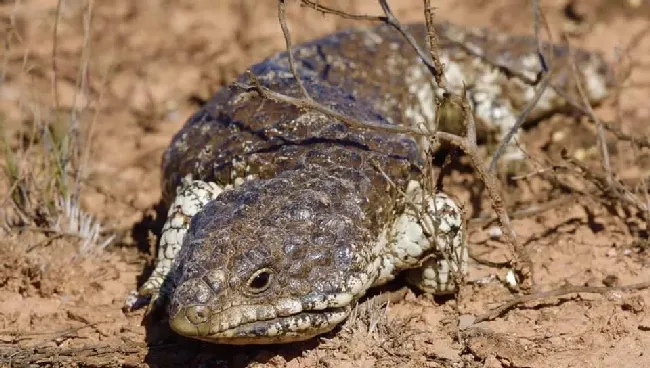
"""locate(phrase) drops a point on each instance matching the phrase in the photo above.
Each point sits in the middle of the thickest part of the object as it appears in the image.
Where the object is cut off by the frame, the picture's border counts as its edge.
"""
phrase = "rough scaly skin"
(292, 215)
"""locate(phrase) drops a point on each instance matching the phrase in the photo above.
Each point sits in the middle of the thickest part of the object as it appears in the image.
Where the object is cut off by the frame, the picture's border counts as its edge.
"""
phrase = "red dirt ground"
(149, 60)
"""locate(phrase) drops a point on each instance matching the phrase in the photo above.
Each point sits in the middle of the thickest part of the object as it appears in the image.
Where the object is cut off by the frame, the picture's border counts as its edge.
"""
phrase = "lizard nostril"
(197, 314)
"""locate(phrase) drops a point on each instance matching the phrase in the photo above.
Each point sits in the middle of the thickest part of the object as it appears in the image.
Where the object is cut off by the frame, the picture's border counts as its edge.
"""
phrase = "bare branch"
(432, 61)
(521, 119)
(533, 210)
(287, 39)
(313, 105)
(641, 142)
(432, 39)
(601, 130)
(521, 264)
(327, 10)
(610, 187)
(547, 70)
(394, 22)
(55, 40)
(499, 311)
(388, 18)
(469, 116)
(536, 22)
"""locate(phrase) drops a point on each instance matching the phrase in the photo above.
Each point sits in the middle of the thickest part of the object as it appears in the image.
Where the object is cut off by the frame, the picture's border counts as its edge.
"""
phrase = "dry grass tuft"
(45, 160)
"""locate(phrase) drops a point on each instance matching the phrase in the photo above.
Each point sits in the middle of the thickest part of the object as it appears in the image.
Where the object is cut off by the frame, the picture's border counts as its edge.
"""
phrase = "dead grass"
(45, 161)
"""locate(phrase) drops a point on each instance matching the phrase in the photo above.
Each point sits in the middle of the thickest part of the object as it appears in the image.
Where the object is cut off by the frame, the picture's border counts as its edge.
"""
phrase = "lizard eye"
(260, 281)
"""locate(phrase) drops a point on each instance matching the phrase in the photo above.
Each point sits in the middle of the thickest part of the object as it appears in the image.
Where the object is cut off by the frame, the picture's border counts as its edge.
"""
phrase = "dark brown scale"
(346, 71)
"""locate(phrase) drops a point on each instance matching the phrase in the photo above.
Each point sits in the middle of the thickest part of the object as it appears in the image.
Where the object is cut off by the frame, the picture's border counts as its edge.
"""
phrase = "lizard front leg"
(428, 241)
(191, 197)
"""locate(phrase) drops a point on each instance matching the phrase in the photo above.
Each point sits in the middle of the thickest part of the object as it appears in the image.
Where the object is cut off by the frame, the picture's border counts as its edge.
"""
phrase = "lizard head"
(273, 261)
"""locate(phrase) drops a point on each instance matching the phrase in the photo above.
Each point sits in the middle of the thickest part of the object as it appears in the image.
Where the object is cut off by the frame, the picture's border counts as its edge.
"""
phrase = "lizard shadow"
(150, 224)
(451, 160)
(167, 349)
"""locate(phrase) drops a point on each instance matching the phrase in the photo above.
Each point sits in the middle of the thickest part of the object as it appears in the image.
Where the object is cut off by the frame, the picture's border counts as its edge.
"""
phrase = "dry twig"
(517, 301)
(287, 38)
(601, 130)
(388, 18)
(55, 40)
(532, 210)
(432, 39)
(327, 10)
(521, 119)
(310, 104)
(546, 74)
(609, 186)
(521, 263)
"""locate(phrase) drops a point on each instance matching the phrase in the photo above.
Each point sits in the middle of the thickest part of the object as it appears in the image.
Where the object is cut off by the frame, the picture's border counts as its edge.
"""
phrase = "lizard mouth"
(279, 330)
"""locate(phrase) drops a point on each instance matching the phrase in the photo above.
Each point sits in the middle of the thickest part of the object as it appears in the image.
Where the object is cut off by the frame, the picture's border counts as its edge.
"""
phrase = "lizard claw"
(135, 301)
(142, 297)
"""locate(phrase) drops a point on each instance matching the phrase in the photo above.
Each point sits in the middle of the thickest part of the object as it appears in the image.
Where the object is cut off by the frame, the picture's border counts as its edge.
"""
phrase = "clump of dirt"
(130, 73)
(19, 275)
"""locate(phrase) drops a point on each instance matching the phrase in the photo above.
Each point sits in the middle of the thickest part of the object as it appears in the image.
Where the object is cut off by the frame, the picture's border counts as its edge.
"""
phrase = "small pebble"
(580, 154)
(485, 280)
(511, 279)
(610, 280)
(635, 304)
(465, 321)
(644, 324)
(495, 232)
(558, 136)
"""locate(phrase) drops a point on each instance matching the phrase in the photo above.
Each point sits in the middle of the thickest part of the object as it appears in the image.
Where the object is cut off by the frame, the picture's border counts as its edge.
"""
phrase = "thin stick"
(388, 18)
(287, 39)
(82, 80)
(521, 264)
(521, 119)
(327, 10)
(313, 105)
(613, 189)
(533, 210)
(646, 196)
(392, 20)
(469, 116)
(499, 311)
(55, 41)
(536, 22)
(432, 39)
(541, 88)
(604, 152)
(641, 142)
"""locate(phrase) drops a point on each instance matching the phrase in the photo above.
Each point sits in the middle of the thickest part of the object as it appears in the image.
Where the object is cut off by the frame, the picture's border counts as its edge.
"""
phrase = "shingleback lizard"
(280, 219)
